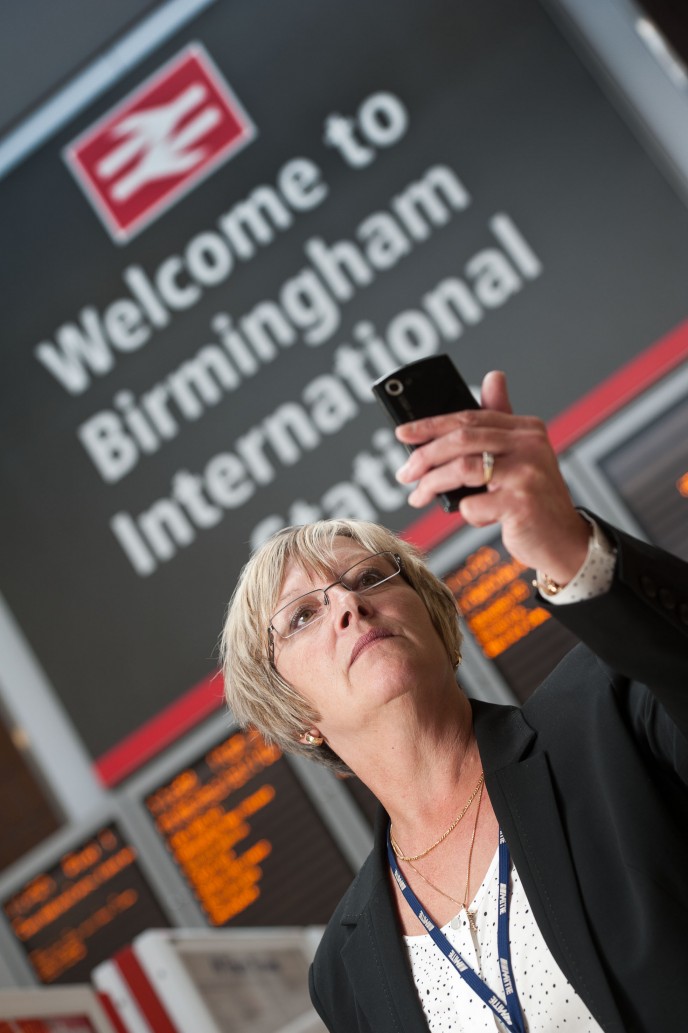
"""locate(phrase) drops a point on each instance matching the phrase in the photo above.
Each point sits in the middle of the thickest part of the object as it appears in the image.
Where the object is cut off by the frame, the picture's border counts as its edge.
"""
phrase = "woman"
(572, 917)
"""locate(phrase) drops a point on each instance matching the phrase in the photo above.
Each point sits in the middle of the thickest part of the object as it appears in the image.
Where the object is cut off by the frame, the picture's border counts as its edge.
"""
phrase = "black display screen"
(246, 838)
(80, 910)
(495, 597)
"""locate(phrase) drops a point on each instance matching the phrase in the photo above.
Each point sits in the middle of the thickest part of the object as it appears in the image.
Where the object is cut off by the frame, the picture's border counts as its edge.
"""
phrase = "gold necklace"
(463, 904)
(416, 857)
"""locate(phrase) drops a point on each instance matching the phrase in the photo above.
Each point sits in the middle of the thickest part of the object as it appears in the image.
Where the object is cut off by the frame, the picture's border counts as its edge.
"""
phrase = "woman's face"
(368, 651)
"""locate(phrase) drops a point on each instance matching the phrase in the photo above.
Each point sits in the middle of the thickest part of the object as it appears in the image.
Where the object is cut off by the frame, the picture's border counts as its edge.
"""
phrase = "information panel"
(494, 595)
(247, 840)
(202, 273)
(57, 1010)
(233, 981)
(79, 911)
(650, 473)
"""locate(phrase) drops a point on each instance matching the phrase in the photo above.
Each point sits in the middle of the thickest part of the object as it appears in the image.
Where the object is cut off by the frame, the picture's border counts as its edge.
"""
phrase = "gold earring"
(456, 659)
(313, 740)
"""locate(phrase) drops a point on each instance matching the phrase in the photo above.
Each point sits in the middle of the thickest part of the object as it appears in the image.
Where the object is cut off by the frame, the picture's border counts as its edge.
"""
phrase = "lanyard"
(508, 1011)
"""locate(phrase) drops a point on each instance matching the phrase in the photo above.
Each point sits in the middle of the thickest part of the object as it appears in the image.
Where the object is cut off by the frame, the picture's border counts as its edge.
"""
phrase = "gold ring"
(488, 467)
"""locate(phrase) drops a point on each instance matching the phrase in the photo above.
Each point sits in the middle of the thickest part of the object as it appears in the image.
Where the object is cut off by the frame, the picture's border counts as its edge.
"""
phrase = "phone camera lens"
(394, 387)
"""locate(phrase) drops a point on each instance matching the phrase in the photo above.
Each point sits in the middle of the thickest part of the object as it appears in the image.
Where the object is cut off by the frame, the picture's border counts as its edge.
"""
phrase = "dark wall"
(44, 44)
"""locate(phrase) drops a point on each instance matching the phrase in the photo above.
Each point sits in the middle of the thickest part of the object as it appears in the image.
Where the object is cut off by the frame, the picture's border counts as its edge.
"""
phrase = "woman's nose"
(345, 603)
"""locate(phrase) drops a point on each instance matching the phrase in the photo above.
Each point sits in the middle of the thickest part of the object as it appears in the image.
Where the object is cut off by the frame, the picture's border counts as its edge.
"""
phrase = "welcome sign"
(203, 273)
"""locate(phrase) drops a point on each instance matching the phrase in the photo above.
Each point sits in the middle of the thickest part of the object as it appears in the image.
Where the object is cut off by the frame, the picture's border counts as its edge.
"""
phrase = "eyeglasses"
(304, 611)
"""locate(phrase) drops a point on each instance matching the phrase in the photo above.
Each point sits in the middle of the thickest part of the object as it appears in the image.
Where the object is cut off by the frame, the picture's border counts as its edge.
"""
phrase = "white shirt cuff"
(596, 574)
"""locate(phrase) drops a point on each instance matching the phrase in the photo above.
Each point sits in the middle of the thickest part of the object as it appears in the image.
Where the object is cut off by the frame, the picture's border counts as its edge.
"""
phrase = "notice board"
(203, 271)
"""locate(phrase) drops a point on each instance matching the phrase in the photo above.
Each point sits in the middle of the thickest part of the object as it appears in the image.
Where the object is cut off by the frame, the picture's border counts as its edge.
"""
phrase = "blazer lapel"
(374, 955)
(520, 786)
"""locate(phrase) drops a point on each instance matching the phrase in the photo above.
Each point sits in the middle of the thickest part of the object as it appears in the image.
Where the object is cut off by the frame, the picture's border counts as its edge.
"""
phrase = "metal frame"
(57, 752)
(640, 75)
(629, 421)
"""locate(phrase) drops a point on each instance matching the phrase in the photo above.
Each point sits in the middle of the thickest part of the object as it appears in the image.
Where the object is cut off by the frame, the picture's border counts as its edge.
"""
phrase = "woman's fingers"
(461, 472)
(468, 421)
(495, 393)
(523, 472)
(464, 441)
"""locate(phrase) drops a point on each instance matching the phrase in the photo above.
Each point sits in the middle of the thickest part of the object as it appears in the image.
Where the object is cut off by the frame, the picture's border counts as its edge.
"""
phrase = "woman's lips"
(365, 640)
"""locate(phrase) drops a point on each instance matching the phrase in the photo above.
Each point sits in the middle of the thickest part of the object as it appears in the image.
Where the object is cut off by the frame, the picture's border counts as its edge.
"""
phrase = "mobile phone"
(427, 387)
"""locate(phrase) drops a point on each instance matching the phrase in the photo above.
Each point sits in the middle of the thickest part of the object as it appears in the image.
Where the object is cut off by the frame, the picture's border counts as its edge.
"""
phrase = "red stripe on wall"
(619, 389)
(427, 532)
(157, 733)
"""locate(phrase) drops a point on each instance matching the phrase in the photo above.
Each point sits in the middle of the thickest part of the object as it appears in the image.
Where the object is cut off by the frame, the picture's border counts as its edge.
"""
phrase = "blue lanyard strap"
(508, 1011)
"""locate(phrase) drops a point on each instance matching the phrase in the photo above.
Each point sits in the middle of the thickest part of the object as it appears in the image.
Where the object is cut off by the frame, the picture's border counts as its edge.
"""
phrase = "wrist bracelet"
(547, 586)
(598, 545)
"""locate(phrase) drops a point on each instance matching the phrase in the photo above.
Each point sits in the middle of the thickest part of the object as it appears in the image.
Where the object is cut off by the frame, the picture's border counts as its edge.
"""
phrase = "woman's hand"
(526, 494)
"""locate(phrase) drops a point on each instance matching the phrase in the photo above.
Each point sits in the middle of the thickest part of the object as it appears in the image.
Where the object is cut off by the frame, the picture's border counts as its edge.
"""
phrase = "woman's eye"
(302, 616)
(368, 578)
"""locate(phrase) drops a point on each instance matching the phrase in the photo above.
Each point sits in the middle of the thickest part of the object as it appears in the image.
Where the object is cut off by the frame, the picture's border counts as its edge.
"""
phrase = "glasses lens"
(300, 613)
(371, 572)
(305, 610)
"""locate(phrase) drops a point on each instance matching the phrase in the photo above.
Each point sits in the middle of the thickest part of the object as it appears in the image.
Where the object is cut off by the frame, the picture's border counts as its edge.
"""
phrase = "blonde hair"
(256, 693)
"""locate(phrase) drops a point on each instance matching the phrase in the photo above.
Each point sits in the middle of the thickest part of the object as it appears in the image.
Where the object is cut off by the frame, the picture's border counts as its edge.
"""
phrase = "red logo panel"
(159, 143)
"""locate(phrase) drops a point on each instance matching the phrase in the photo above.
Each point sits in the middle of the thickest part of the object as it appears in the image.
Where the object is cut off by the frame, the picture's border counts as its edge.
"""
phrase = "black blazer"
(588, 781)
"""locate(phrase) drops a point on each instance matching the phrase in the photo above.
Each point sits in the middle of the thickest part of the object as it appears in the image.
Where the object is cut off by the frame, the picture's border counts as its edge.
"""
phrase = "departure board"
(79, 911)
(650, 473)
(247, 839)
(494, 595)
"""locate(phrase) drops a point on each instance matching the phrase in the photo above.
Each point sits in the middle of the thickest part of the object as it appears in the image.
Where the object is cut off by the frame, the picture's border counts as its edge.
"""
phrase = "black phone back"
(427, 387)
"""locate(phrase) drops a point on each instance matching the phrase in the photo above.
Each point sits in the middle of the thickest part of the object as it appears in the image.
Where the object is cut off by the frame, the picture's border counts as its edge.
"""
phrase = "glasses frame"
(272, 630)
